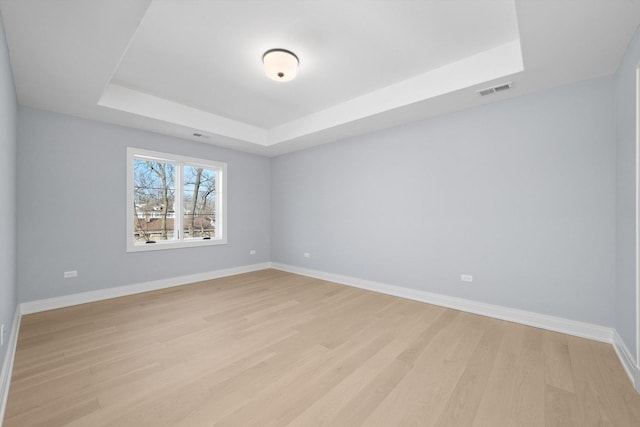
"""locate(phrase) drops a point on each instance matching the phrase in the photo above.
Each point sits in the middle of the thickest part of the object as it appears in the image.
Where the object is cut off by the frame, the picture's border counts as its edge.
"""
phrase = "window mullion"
(218, 201)
(148, 173)
(178, 228)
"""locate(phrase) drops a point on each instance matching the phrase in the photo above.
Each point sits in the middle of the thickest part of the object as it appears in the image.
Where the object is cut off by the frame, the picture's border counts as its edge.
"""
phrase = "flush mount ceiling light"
(280, 65)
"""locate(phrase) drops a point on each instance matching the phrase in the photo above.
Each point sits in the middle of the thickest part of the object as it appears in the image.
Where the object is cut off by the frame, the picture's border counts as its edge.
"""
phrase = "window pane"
(199, 203)
(154, 198)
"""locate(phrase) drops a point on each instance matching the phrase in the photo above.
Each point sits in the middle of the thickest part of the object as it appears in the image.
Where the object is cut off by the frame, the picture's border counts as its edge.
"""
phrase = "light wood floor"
(276, 349)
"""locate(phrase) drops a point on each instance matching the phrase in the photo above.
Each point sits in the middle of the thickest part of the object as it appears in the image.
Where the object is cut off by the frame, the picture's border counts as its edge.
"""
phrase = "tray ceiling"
(181, 68)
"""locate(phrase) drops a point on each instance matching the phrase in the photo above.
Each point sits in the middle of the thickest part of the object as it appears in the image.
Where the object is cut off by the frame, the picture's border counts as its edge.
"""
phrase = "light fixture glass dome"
(280, 65)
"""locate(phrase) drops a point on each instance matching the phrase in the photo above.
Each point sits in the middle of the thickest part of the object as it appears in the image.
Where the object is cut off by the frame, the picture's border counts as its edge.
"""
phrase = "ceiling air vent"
(201, 135)
(495, 89)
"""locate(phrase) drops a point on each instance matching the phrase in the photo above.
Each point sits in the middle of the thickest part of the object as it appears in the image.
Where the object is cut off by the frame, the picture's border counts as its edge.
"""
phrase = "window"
(174, 201)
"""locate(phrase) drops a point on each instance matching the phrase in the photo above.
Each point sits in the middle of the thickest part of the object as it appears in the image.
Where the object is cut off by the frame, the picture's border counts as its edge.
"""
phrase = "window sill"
(161, 245)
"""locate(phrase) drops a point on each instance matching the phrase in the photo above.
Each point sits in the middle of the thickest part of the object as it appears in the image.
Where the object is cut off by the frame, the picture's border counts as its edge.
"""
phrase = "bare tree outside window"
(199, 201)
(174, 201)
(154, 196)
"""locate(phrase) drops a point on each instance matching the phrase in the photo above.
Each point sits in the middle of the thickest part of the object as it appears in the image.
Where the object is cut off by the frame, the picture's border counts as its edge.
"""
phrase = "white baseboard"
(558, 324)
(102, 294)
(7, 366)
(98, 295)
(627, 360)
(553, 323)
(529, 318)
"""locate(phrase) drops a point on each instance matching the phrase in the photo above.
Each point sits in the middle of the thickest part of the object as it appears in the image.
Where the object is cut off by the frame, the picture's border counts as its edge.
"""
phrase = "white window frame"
(637, 260)
(179, 162)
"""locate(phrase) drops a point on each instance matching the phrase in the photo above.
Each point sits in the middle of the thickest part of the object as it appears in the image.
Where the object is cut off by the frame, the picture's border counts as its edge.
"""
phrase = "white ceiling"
(183, 67)
(208, 54)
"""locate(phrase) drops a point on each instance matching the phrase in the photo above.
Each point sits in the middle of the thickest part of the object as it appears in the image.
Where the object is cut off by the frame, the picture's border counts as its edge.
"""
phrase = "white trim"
(552, 323)
(480, 68)
(626, 358)
(637, 260)
(102, 294)
(558, 324)
(179, 162)
(142, 104)
(7, 366)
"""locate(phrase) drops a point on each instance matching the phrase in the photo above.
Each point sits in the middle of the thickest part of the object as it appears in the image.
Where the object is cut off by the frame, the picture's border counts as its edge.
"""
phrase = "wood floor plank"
(422, 394)
(557, 361)
(561, 408)
(498, 401)
(598, 399)
(271, 348)
(465, 398)
(530, 386)
(322, 412)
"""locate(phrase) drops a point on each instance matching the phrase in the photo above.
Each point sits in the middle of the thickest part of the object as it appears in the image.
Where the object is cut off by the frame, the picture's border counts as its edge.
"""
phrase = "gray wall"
(520, 194)
(8, 213)
(72, 204)
(625, 100)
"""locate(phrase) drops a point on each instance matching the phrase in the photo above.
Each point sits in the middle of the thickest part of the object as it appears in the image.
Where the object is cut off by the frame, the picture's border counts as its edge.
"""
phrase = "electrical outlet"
(252, 252)
(466, 278)
(72, 273)
(307, 255)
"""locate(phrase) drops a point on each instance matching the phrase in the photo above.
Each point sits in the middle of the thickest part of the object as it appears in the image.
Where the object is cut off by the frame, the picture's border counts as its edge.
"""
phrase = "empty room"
(320, 213)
